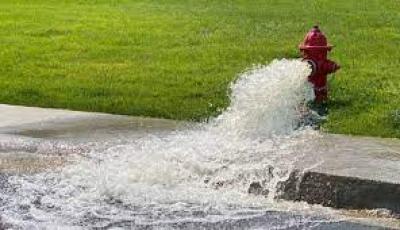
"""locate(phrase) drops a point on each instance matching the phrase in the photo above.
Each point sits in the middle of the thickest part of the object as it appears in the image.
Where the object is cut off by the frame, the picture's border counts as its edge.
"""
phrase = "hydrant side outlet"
(314, 50)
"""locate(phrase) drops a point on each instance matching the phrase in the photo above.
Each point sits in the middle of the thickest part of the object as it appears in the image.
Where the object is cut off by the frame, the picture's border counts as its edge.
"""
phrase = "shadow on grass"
(340, 103)
(394, 119)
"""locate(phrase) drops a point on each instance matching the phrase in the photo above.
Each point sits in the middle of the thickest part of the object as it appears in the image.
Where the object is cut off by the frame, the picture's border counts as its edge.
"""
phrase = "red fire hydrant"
(315, 50)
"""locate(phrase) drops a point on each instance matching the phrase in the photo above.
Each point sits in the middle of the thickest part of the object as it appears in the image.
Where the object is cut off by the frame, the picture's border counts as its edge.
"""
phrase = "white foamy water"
(199, 174)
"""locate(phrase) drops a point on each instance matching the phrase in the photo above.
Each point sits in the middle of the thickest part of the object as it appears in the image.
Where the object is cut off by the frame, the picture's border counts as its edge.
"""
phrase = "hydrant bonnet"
(315, 40)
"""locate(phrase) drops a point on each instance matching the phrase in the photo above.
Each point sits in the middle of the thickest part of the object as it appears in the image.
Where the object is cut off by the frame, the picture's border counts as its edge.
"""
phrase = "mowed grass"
(176, 59)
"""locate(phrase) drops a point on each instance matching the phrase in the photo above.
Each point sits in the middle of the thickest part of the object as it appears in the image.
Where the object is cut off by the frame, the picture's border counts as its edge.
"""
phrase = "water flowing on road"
(196, 177)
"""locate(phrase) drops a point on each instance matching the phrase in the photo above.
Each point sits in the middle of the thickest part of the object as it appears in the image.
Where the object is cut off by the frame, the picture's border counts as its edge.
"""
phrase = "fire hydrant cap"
(315, 39)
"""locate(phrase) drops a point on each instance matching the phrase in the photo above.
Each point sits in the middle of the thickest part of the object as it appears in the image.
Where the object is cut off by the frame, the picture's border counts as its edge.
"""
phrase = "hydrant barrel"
(314, 50)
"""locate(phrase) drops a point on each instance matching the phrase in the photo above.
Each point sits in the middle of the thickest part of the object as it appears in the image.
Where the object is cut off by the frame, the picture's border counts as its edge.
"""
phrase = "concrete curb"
(347, 172)
(341, 191)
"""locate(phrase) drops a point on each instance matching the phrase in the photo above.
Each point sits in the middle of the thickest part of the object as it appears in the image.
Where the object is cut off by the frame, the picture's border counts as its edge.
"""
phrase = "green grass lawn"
(175, 59)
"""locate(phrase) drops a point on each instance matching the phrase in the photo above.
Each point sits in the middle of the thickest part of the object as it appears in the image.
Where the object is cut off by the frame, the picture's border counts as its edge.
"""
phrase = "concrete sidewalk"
(78, 126)
(19, 115)
(36, 139)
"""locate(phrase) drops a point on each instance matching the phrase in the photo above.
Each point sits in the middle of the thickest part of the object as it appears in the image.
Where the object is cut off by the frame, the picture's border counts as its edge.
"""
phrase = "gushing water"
(198, 174)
